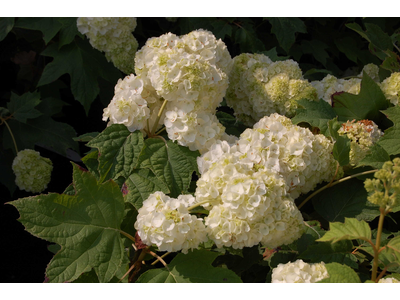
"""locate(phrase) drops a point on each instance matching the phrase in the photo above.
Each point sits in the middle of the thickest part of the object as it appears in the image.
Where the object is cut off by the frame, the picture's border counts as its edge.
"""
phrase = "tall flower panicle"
(299, 272)
(32, 171)
(114, 37)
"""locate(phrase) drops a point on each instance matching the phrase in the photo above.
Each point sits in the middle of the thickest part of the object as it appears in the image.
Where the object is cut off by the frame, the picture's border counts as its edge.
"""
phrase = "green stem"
(158, 117)
(334, 183)
(12, 136)
(378, 243)
(127, 235)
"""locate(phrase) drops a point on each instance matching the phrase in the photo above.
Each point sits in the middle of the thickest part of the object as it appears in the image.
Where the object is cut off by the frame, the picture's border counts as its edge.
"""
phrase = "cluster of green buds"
(385, 189)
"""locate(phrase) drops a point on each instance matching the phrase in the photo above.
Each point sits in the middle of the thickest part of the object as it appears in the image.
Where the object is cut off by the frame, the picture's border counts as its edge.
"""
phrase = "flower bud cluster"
(32, 171)
(114, 37)
(362, 134)
(385, 189)
(391, 88)
(259, 87)
(190, 72)
(166, 223)
(299, 272)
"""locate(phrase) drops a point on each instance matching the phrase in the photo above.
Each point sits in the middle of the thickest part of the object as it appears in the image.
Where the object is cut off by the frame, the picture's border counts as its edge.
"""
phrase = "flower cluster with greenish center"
(32, 171)
(389, 280)
(114, 37)
(299, 272)
(362, 134)
(384, 189)
(166, 223)
(391, 88)
(259, 87)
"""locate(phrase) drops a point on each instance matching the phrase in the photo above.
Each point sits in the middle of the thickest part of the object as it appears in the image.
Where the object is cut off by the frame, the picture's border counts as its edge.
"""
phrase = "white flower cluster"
(131, 104)
(362, 134)
(114, 37)
(259, 87)
(331, 85)
(166, 223)
(299, 272)
(391, 88)
(389, 280)
(190, 72)
(32, 171)
(249, 186)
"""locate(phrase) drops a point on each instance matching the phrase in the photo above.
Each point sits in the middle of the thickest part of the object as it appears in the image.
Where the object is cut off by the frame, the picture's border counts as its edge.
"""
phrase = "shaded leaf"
(51, 106)
(285, 30)
(192, 267)
(390, 141)
(142, 183)
(341, 148)
(247, 38)
(376, 158)
(315, 113)
(171, 163)
(391, 61)
(349, 230)
(23, 107)
(86, 226)
(317, 49)
(119, 150)
(345, 200)
(391, 255)
(221, 29)
(48, 26)
(273, 55)
(349, 47)
(339, 273)
(84, 64)
(340, 252)
(68, 31)
(366, 105)
(6, 24)
(44, 130)
(92, 163)
(232, 125)
(312, 233)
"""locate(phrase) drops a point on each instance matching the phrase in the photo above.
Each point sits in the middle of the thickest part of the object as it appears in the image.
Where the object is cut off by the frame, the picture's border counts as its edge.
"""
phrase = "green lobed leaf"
(84, 64)
(92, 163)
(86, 225)
(340, 252)
(142, 183)
(221, 28)
(349, 47)
(391, 61)
(51, 106)
(376, 157)
(339, 273)
(315, 113)
(341, 148)
(317, 49)
(86, 137)
(345, 200)
(390, 141)
(68, 31)
(285, 30)
(247, 38)
(119, 150)
(43, 130)
(349, 230)
(273, 55)
(23, 107)
(194, 267)
(48, 26)
(366, 105)
(6, 25)
(171, 163)
(390, 255)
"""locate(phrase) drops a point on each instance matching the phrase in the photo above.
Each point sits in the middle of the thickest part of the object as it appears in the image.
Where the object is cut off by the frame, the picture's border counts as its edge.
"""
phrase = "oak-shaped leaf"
(84, 64)
(171, 163)
(193, 267)
(366, 105)
(23, 107)
(390, 141)
(339, 273)
(86, 226)
(119, 150)
(349, 230)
